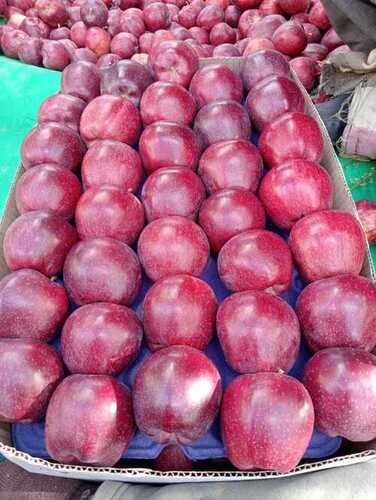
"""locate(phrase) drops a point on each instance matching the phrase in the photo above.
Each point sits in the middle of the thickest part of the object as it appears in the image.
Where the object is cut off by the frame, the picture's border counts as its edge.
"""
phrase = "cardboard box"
(361, 453)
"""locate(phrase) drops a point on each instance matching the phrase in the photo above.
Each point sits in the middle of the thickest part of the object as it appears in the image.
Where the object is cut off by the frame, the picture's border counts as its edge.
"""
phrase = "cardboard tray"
(361, 452)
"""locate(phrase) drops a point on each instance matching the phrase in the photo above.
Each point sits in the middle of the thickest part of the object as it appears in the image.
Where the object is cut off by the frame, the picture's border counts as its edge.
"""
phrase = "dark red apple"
(290, 39)
(29, 373)
(167, 144)
(315, 51)
(209, 16)
(109, 212)
(222, 33)
(98, 40)
(319, 17)
(256, 44)
(30, 51)
(291, 136)
(132, 23)
(256, 260)
(104, 405)
(78, 33)
(61, 108)
(102, 270)
(226, 50)
(176, 395)
(101, 339)
(110, 117)
(52, 12)
(341, 385)
(112, 163)
(179, 310)
(247, 18)
(81, 79)
(230, 164)
(172, 191)
(156, 16)
(270, 7)
(35, 27)
(232, 15)
(60, 33)
(11, 42)
(265, 27)
(306, 70)
(70, 46)
(267, 422)
(54, 55)
(331, 40)
(31, 306)
(173, 245)
(172, 458)
(124, 45)
(216, 82)
(258, 332)
(367, 215)
(94, 13)
(294, 6)
(262, 64)
(187, 16)
(313, 34)
(334, 234)
(295, 189)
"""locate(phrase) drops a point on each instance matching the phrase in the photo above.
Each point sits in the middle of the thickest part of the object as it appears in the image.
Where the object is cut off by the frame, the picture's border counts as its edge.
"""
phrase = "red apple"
(230, 164)
(156, 16)
(267, 422)
(341, 385)
(334, 234)
(199, 34)
(176, 395)
(98, 40)
(256, 44)
(81, 79)
(331, 40)
(172, 191)
(258, 332)
(172, 458)
(112, 163)
(315, 51)
(313, 34)
(262, 64)
(167, 144)
(290, 39)
(270, 7)
(35, 27)
(30, 51)
(60, 33)
(110, 117)
(61, 108)
(106, 61)
(101, 339)
(52, 12)
(306, 70)
(94, 13)
(29, 373)
(102, 270)
(11, 42)
(187, 16)
(265, 27)
(291, 136)
(104, 405)
(367, 215)
(173, 245)
(209, 16)
(114, 21)
(55, 55)
(247, 18)
(226, 50)
(294, 6)
(78, 33)
(179, 310)
(84, 54)
(124, 45)
(132, 23)
(256, 260)
(222, 33)
(319, 17)
(31, 306)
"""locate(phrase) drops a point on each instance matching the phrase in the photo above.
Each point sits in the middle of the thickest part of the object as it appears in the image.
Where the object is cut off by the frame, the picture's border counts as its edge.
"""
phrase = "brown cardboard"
(343, 201)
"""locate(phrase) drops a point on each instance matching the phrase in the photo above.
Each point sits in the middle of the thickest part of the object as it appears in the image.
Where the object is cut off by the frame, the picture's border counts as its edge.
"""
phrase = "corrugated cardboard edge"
(342, 200)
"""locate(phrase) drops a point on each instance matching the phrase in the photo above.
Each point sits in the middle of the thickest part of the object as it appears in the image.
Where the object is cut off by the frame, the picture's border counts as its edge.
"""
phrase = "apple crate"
(358, 453)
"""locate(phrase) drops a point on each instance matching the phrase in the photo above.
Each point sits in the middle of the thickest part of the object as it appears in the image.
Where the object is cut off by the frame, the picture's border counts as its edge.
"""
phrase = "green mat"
(24, 87)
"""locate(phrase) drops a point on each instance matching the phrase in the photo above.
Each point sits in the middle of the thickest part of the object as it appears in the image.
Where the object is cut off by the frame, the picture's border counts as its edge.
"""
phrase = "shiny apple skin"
(295, 189)
(50, 188)
(221, 121)
(110, 117)
(81, 79)
(179, 310)
(265, 27)
(172, 191)
(109, 212)
(167, 144)
(40, 241)
(256, 260)
(216, 82)
(258, 332)
(89, 421)
(176, 395)
(267, 422)
(112, 163)
(61, 108)
(52, 143)
(263, 64)
(338, 312)
(271, 98)
(31, 306)
(367, 215)
(229, 212)
(341, 383)
(29, 372)
(171, 458)
(209, 16)
(230, 164)
(290, 39)
(102, 270)
(335, 235)
(291, 136)
(173, 245)
(101, 339)
(306, 70)
(164, 101)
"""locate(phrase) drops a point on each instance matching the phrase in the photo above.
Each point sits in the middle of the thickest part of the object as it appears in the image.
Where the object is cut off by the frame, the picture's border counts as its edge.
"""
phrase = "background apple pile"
(53, 33)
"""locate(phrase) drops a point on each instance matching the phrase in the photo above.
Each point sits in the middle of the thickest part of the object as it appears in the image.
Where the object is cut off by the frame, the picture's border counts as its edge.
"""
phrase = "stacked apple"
(192, 127)
(53, 33)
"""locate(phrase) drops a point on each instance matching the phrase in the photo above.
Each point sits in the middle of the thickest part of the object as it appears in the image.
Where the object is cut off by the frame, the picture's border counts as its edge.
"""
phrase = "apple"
(52, 12)
(172, 191)
(209, 16)
(315, 51)
(110, 117)
(306, 70)
(102, 270)
(290, 39)
(222, 33)
(256, 44)
(167, 144)
(101, 339)
(256, 260)
(81, 79)
(295, 189)
(262, 64)
(124, 45)
(216, 82)
(78, 33)
(61, 108)
(270, 7)
(84, 54)
(132, 23)
(265, 27)
(94, 13)
(333, 233)
(54, 55)
(179, 310)
(226, 50)
(294, 6)
(104, 405)
(30, 51)
(114, 20)
(35, 27)
(331, 40)
(60, 33)
(319, 17)
(98, 40)
(173, 245)
(221, 121)
(199, 34)
(176, 395)
(292, 136)
(367, 216)
(313, 34)
(247, 18)
(171, 458)
(156, 16)
(109, 212)
(232, 15)
(106, 61)
(266, 421)
(29, 373)
(230, 164)
(187, 16)
(341, 385)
